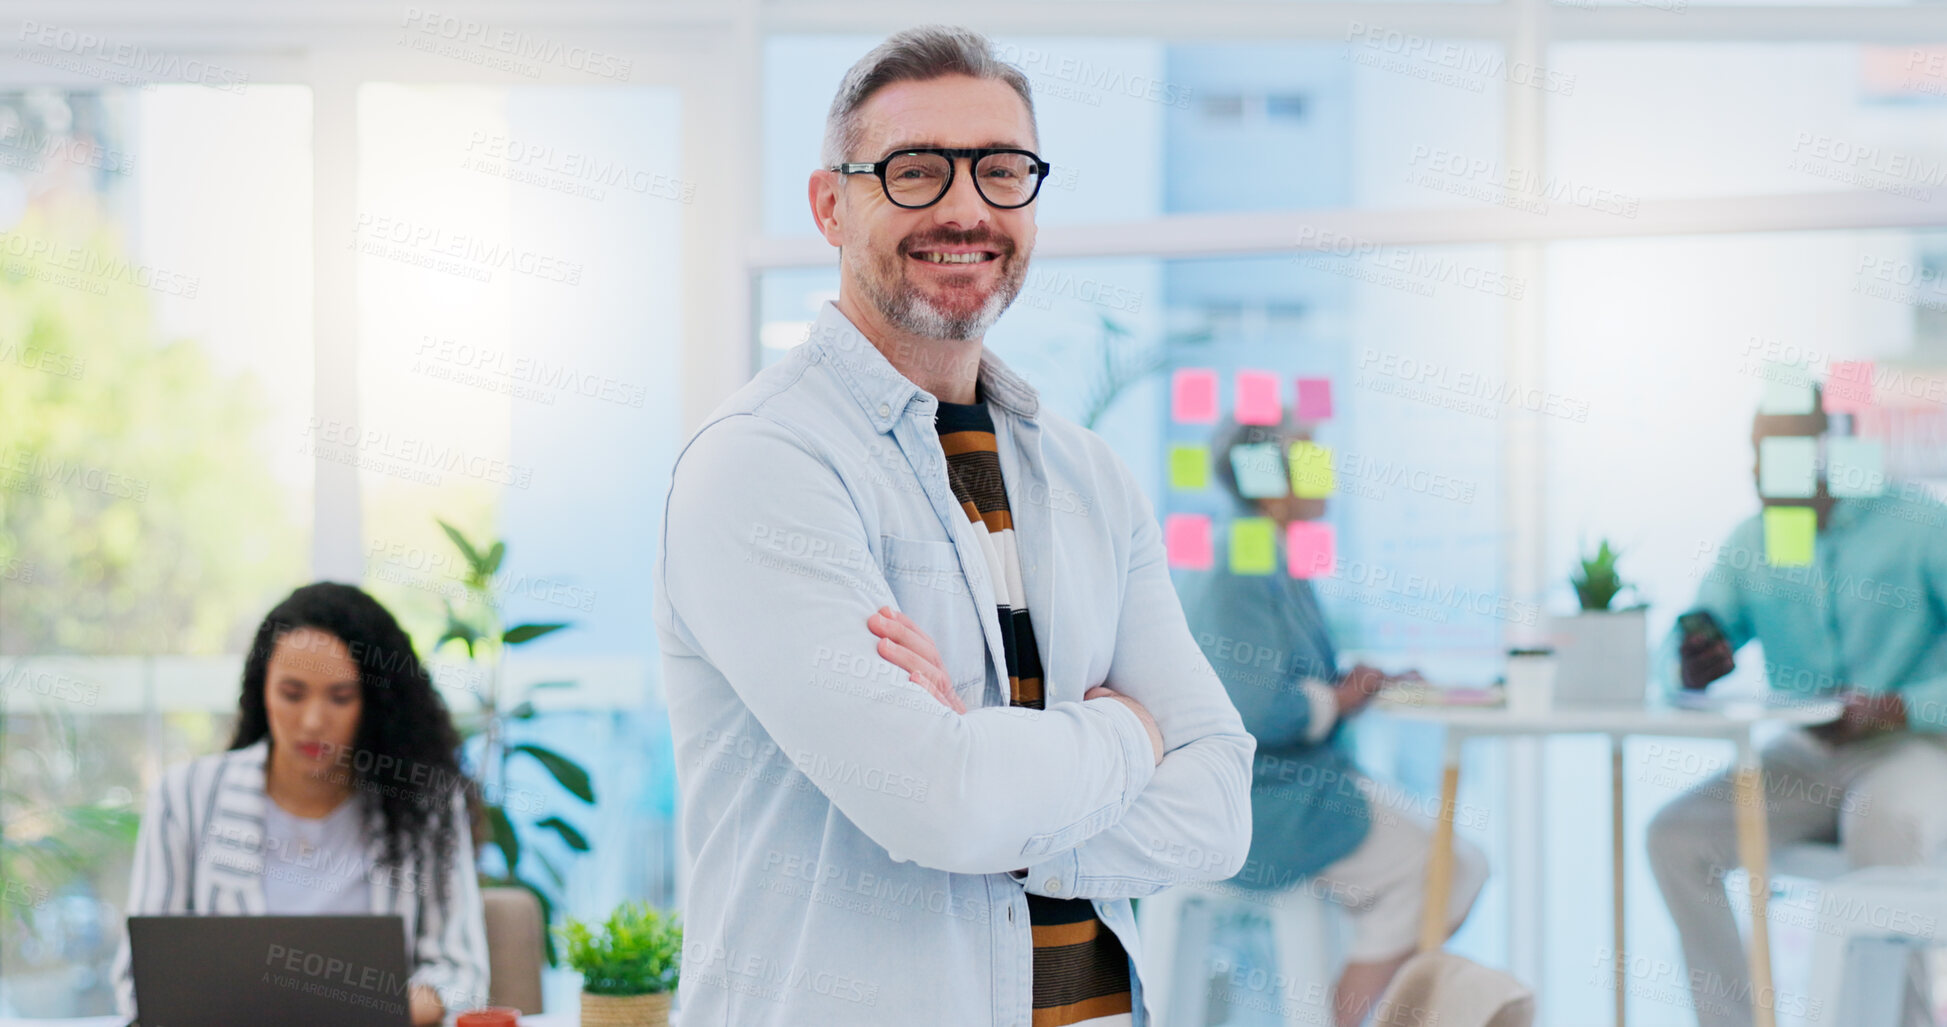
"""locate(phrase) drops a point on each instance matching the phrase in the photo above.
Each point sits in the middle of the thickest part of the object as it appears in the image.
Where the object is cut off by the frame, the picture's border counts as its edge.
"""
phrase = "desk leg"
(1439, 862)
(1618, 935)
(1753, 853)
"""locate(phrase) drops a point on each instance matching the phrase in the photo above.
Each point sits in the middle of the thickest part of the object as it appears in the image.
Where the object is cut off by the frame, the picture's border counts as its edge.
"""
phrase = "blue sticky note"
(1259, 468)
(1855, 468)
(1787, 390)
(1788, 467)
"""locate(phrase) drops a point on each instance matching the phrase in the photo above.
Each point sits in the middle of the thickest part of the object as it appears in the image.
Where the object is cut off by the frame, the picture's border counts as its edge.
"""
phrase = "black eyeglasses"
(918, 178)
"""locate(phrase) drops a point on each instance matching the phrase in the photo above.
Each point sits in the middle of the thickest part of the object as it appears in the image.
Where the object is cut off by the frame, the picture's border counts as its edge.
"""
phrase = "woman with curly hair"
(341, 793)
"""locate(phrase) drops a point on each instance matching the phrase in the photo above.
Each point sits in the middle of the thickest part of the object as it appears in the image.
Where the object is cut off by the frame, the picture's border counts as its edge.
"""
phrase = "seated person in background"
(1865, 622)
(1311, 808)
(341, 794)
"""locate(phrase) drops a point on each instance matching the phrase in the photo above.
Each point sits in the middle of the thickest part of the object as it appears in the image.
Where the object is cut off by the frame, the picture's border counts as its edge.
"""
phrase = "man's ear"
(822, 190)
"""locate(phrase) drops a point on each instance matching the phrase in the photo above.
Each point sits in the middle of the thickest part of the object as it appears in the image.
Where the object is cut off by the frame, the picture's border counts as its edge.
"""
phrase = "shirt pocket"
(1074, 834)
(929, 586)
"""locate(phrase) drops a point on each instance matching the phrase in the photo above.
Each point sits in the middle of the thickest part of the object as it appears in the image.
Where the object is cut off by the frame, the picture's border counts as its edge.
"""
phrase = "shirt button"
(1052, 884)
(884, 410)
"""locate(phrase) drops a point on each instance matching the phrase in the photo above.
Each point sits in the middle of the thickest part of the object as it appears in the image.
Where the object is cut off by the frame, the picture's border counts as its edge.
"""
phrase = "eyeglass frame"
(973, 154)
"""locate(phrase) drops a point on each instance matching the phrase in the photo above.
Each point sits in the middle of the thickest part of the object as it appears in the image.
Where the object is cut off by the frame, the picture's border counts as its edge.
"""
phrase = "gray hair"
(915, 55)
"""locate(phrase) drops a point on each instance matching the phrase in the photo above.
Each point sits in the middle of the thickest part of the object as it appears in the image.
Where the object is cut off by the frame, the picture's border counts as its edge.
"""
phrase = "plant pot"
(1602, 658)
(625, 1010)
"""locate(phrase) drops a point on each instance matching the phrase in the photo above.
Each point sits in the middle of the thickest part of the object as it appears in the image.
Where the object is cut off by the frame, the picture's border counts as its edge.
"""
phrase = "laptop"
(249, 971)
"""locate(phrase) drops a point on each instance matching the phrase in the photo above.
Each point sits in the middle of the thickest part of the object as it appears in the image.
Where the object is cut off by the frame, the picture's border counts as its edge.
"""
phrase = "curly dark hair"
(406, 753)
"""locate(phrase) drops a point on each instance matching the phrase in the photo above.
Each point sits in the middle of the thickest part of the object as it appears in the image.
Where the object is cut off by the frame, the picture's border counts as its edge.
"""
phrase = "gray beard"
(911, 312)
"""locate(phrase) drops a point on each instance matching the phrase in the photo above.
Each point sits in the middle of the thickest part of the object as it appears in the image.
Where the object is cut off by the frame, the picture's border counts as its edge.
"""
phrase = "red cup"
(497, 1016)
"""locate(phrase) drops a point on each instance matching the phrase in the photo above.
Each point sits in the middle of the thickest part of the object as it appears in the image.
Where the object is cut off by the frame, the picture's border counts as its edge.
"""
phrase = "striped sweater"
(1081, 973)
(200, 849)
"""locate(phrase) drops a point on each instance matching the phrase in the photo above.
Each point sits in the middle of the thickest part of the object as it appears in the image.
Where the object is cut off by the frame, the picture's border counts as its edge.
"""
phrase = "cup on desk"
(1530, 680)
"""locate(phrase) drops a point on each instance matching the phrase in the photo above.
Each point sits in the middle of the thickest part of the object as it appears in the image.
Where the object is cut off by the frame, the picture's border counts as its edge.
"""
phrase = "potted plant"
(478, 626)
(1602, 651)
(628, 965)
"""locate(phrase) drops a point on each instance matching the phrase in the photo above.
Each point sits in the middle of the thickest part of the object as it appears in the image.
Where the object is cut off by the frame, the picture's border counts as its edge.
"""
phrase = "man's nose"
(962, 206)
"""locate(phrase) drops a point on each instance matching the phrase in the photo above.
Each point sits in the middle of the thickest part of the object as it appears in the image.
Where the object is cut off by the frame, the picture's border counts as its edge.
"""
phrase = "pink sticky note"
(1849, 387)
(1257, 398)
(1314, 399)
(1311, 549)
(1187, 539)
(1193, 396)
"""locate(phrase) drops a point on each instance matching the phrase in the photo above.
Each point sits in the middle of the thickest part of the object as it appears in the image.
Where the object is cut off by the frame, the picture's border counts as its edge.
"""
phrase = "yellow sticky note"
(1189, 467)
(1252, 550)
(1311, 470)
(1788, 534)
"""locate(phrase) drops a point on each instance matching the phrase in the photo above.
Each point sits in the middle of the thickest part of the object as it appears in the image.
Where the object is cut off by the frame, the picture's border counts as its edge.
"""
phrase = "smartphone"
(1699, 623)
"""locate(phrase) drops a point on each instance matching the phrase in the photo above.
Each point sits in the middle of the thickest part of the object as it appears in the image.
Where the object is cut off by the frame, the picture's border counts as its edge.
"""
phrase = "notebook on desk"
(1429, 694)
(249, 971)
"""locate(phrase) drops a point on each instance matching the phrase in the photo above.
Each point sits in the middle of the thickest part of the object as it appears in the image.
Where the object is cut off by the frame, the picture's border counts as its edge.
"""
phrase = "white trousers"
(1884, 799)
(1381, 884)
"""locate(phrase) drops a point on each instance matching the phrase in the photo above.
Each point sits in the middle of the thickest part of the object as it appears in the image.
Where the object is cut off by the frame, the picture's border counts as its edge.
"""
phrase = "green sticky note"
(1189, 467)
(1788, 534)
(1252, 550)
(1311, 470)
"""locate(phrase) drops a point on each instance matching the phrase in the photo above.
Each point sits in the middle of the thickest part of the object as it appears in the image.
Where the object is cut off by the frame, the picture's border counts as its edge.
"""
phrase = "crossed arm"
(980, 799)
(1192, 822)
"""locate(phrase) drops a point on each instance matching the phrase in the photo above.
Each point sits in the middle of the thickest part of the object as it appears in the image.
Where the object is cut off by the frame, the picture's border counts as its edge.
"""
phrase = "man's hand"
(903, 644)
(1149, 722)
(1865, 714)
(910, 649)
(1704, 660)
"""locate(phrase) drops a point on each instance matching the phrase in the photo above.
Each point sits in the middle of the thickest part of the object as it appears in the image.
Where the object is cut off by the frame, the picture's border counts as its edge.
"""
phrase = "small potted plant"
(1603, 651)
(628, 965)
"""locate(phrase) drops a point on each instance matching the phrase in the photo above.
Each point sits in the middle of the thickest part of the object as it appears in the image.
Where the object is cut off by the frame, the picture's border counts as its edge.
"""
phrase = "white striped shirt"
(200, 850)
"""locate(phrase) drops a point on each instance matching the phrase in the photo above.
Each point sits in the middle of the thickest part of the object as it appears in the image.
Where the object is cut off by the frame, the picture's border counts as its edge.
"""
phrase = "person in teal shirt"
(1864, 622)
(1318, 822)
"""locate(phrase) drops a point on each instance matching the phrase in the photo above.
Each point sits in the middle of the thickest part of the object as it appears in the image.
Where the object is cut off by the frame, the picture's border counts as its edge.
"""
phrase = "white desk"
(568, 1019)
(1731, 720)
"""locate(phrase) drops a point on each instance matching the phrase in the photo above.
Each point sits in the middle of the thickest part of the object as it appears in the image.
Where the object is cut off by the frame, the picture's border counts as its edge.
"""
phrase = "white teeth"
(954, 258)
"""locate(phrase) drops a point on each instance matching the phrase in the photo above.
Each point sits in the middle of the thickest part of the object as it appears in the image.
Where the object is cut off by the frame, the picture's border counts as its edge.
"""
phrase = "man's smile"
(955, 255)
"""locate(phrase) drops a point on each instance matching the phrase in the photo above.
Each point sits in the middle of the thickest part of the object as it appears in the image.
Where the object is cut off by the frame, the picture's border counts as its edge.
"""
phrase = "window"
(155, 379)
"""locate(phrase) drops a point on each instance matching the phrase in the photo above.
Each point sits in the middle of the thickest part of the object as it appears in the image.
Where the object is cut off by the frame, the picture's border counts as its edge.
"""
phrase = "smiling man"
(937, 713)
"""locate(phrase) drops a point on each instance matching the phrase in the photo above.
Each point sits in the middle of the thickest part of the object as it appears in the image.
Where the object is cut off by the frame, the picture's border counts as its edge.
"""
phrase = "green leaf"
(554, 872)
(528, 632)
(547, 917)
(460, 633)
(491, 564)
(550, 684)
(466, 548)
(638, 950)
(567, 832)
(525, 711)
(504, 837)
(566, 771)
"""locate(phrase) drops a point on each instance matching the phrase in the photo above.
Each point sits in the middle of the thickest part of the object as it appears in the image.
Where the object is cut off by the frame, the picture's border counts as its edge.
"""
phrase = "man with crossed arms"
(938, 715)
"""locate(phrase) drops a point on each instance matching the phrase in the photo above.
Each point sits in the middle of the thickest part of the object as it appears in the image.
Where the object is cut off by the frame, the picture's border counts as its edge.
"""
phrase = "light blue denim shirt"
(1869, 611)
(852, 843)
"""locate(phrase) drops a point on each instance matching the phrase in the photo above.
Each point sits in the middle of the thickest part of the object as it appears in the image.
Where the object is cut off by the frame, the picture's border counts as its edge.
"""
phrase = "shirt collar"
(884, 394)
